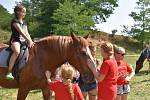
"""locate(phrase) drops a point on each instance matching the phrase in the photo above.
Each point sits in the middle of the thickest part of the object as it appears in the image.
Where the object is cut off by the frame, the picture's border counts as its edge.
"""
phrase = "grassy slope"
(4, 36)
(131, 45)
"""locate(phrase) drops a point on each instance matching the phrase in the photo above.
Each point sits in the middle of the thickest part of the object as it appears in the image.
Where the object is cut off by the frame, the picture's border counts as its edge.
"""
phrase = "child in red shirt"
(107, 75)
(125, 73)
(65, 90)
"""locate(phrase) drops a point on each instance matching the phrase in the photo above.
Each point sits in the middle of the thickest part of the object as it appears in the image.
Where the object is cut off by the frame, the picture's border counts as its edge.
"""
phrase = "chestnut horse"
(48, 54)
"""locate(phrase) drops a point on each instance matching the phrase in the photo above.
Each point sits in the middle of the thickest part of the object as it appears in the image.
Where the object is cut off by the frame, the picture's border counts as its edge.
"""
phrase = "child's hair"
(67, 73)
(17, 8)
(107, 47)
(118, 49)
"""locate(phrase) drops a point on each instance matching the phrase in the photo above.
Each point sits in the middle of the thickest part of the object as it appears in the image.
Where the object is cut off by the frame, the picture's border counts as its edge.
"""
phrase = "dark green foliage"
(69, 18)
(5, 19)
(64, 16)
(46, 17)
(141, 29)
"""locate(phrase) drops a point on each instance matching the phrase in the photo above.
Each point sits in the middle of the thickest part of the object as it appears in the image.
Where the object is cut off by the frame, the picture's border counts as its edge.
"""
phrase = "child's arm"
(20, 30)
(128, 78)
(48, 74)
(97, 75)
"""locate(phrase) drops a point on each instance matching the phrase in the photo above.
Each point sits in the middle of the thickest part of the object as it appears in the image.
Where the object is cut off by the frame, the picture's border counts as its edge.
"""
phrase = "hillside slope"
(131, 45)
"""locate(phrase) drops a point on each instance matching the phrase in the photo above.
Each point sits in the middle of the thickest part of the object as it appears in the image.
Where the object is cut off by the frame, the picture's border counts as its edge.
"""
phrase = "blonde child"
(65, 89)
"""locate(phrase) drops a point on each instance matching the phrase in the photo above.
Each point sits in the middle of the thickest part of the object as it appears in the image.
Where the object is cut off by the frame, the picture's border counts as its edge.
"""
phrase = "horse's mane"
(57, 43)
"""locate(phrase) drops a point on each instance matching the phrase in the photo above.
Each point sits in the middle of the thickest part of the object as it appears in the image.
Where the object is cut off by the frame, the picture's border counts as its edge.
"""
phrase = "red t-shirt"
(123, 70)
(107, 89)
(62, 91)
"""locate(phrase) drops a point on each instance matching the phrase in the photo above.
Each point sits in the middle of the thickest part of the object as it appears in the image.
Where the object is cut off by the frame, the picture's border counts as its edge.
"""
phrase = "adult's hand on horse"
(91, 65)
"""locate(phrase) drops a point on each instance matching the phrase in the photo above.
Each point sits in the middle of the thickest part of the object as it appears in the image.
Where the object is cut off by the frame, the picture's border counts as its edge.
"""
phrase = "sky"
(115, 21)
(120, 17)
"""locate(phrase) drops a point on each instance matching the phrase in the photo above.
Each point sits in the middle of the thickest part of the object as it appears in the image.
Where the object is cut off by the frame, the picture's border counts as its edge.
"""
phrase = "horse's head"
(80, 55)
(140, 61)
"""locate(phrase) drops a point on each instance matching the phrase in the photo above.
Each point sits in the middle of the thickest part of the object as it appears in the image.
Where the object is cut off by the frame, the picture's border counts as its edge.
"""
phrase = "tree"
(5, 19)
(69, 18)
(141, 29)
(114, 31)
(44, 22)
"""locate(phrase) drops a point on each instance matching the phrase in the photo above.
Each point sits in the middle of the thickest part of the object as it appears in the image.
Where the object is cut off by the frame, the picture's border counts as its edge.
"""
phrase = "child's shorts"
(123, 89)
(88, 87)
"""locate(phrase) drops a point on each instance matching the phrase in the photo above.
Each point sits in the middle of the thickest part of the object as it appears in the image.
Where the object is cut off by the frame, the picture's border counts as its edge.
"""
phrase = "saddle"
(22, 59)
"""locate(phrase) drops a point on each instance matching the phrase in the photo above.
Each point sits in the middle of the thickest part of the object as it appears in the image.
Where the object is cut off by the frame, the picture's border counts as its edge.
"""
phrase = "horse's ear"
(86, 36)
(74, 37)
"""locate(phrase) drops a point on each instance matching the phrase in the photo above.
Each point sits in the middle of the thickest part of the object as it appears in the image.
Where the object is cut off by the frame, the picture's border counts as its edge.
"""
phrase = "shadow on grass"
(141, 73)
(35, 91)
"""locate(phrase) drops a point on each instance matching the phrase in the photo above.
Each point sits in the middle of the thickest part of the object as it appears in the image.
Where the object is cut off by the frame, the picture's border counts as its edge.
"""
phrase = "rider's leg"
(15, 46)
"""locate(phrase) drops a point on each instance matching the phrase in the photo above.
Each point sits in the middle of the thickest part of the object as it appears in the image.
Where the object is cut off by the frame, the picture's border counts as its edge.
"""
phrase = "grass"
(140, 86)
(140, 83)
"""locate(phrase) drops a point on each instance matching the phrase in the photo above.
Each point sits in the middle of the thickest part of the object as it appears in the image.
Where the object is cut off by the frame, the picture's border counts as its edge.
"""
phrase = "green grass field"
(140, 86)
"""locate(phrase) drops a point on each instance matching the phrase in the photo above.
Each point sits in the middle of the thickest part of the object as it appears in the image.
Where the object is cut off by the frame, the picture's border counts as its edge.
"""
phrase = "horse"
(48, 54)
(144, 55)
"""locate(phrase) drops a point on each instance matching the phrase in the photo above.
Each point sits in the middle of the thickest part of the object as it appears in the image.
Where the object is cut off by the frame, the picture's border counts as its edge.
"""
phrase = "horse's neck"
(56, 48)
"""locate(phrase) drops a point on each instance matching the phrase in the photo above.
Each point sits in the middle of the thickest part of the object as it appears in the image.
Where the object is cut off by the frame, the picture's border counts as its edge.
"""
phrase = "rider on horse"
(19, 34)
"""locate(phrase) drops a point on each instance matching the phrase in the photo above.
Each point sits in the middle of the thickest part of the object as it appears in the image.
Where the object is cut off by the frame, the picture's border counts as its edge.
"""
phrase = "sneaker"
(9, 76)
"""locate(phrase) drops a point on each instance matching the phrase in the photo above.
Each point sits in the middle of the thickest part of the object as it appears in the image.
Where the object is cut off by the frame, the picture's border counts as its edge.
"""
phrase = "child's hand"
(47, 74)
(31, 44)
(128, 79)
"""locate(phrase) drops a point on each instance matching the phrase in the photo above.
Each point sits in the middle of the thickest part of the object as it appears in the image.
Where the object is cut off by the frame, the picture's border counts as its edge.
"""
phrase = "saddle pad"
(20, 61)
(4, 56)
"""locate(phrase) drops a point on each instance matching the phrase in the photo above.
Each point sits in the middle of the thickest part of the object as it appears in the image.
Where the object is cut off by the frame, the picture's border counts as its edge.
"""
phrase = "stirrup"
(9, 76)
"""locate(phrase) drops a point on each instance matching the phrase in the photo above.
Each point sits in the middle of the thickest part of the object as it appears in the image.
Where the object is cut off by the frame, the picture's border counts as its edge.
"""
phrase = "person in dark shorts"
(19, 34)
(89, 89)
(125, 73)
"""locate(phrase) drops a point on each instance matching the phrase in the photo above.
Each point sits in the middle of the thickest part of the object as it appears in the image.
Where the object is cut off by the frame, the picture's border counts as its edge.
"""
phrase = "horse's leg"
(22, 93)
(46, 93)
(149, 65)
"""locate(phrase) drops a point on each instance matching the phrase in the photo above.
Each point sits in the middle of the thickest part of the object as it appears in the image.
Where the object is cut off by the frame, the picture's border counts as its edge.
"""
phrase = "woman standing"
(89, 89)
(107, 75)
(125, 73)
